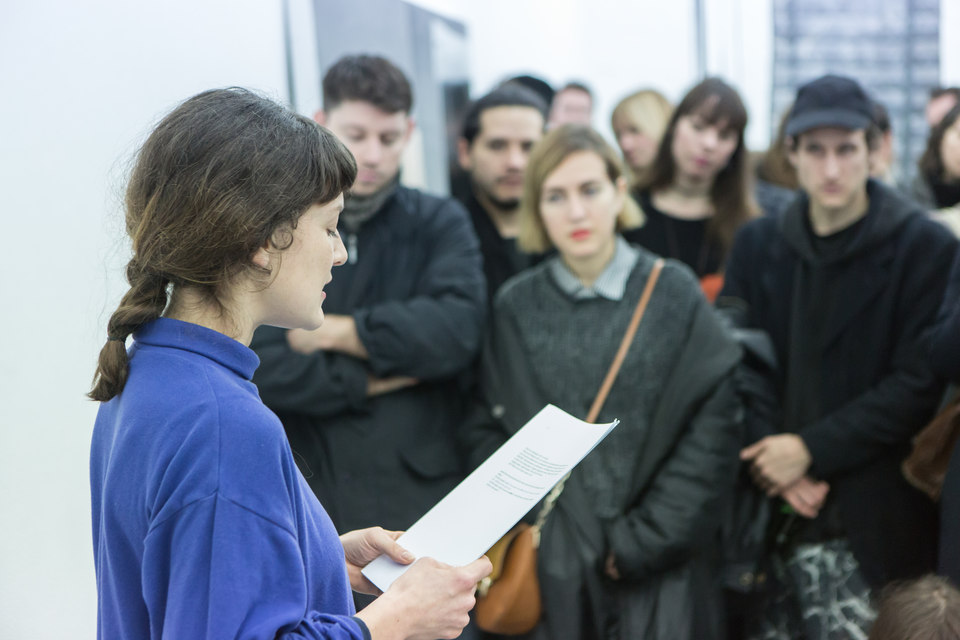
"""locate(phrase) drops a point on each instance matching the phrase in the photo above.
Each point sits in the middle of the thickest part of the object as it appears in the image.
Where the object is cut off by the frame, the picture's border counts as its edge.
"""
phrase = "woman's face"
(579, 205)
(950, 151)
(294, 296)
(701, 149)
(638, 147)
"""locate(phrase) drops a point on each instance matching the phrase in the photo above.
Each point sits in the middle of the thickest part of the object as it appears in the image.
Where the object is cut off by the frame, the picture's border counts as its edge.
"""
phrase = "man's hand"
(337, 333)
(361, 547)
(777, 461)
(806, 496)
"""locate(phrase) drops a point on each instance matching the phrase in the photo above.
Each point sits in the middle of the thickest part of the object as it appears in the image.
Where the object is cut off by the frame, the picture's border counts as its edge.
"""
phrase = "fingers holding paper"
(361, 547)
(431, 600)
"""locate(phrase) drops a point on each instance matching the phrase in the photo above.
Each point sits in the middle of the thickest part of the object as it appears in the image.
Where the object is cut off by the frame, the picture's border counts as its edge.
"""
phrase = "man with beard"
(370, 401)
(498, 132)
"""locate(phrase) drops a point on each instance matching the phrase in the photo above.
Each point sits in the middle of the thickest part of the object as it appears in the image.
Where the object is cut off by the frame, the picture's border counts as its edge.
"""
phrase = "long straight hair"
(718, 104)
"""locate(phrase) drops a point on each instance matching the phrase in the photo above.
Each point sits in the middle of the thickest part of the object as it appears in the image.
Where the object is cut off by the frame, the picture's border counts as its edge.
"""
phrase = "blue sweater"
(203, 526)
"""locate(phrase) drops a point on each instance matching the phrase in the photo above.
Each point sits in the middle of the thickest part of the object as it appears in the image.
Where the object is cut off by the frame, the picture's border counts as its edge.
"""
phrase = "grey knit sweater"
(570, 345)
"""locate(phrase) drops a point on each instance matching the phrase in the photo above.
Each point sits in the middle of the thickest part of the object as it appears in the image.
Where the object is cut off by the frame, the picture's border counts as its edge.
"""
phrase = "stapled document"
(481, 509)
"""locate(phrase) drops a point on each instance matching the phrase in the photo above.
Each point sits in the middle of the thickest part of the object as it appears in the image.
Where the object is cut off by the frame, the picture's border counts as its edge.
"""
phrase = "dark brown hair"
(775, 167)
(931, 162)
(717, 103)
(923, 609)
(225, 173)
(372, 79)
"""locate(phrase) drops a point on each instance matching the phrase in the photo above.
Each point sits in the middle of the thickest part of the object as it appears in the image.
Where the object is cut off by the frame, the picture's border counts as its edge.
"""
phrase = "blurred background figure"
(638, 123)
(883, 166)
(404, 319)
(572, 104)
(924, 609)
(942, 100)
(538, 85)
(937, 185)
(696, 193)
(498, 133)
(775, 179)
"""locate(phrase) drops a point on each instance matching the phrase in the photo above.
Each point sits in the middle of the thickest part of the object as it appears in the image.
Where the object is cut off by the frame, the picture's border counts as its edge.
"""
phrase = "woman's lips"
(580, 234)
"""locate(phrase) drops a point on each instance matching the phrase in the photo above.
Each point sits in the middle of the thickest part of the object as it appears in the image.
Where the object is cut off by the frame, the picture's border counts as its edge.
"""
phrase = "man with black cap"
(845, 281)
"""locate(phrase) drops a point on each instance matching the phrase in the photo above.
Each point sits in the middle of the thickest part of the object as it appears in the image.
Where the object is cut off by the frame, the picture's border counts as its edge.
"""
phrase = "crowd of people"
(276, 421)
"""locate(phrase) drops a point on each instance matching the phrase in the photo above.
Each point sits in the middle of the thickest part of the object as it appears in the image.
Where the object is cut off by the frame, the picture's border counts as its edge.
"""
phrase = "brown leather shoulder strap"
(625, 343)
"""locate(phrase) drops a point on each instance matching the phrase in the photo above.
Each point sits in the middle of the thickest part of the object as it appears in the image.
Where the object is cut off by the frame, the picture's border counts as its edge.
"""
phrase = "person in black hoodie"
(844, 281)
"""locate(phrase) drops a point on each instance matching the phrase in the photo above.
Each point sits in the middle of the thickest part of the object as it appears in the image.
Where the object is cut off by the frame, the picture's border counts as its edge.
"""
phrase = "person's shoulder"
(766, 224)
(192, 390)
(675, 276)
(428, 206)
(918, 226)
(522, 286)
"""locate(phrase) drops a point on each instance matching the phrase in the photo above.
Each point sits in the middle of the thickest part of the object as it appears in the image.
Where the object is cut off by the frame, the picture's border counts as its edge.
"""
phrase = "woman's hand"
(431, 600)
(361, 547)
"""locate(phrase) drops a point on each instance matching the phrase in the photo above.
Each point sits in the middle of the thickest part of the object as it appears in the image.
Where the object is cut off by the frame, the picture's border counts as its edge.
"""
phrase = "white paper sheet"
(464, 524)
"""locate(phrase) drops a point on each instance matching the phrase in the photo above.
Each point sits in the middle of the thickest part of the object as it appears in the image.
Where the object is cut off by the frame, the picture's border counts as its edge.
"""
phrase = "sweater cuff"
(363, 627)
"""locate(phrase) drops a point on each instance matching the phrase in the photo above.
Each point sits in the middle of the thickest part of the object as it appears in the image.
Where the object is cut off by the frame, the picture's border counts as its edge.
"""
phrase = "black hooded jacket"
(846, 319)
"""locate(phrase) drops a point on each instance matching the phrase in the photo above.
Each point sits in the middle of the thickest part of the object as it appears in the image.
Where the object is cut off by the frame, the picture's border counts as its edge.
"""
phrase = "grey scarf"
(359, 209)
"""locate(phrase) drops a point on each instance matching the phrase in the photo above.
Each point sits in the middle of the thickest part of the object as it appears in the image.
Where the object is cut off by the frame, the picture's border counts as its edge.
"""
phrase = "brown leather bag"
(514, 607)
(508, 600)
(926, 466)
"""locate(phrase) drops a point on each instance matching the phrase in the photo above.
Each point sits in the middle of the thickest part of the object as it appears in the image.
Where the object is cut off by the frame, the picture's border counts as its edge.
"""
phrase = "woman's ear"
(262, 257)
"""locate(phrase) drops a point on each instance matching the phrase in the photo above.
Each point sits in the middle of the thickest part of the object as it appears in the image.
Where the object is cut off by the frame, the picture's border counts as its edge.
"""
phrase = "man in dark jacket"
(370, 400)
(499, 131)
(844, 281)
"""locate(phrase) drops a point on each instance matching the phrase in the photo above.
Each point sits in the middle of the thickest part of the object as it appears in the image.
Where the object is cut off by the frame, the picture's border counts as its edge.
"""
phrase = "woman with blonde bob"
(638, 122)
(629, 550)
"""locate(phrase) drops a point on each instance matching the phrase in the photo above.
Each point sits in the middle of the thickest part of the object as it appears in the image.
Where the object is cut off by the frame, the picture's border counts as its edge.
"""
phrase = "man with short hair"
(499, 131)
(370, 400)
(572, 104)
(845, 281)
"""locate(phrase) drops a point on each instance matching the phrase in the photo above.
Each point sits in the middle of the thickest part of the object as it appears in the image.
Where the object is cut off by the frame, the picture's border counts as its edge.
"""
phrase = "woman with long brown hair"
(202, 524)
(697, 192)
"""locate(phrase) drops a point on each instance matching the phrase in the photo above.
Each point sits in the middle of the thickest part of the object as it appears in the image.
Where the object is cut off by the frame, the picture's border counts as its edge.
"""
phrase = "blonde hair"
(545, 157)
(647, 110)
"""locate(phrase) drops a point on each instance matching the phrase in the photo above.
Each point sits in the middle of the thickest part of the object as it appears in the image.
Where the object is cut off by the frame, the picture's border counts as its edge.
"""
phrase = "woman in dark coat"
(630, 550)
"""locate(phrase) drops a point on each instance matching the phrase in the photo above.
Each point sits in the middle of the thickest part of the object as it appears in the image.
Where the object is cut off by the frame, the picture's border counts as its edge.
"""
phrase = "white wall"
(614, 46)
(82, 81)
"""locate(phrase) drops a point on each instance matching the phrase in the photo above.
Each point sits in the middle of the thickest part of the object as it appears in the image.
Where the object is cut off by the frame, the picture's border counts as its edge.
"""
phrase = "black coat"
(417, 294)
(875, 389)
(665, 539)
(945, 359)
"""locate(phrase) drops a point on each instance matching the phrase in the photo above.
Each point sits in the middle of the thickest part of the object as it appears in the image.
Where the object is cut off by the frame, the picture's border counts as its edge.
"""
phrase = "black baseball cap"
(830, 101)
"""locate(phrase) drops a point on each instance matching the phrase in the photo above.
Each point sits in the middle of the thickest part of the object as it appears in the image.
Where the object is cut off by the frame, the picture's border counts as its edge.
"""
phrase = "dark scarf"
(359, 209)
